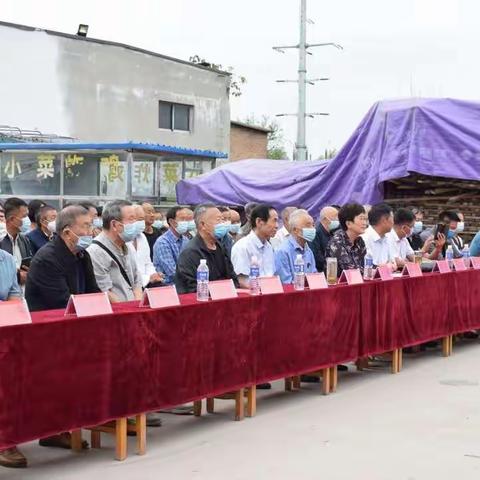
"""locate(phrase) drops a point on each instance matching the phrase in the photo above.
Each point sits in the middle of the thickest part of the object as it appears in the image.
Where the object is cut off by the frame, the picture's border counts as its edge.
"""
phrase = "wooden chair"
(328, 375)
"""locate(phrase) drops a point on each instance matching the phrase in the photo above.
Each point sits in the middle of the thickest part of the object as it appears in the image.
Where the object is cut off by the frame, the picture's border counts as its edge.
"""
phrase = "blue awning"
(150, 147)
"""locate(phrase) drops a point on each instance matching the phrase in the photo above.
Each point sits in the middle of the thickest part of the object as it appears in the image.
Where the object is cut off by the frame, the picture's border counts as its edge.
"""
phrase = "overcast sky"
(392, 48)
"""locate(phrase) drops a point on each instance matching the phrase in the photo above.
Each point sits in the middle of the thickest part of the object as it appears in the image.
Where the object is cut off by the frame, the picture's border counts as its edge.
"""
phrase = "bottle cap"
(203, 261)
(254, 259)
(299, 256)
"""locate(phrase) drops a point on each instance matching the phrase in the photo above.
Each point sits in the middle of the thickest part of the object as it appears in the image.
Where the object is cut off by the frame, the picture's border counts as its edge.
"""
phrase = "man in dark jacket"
(62, 267)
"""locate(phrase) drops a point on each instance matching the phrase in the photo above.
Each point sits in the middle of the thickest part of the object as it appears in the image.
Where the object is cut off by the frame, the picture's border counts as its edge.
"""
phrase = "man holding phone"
(442, 234)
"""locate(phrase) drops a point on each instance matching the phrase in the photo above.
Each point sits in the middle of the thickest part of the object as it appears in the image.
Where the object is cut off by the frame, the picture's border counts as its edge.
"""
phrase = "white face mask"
(3, 230)
(52, 226)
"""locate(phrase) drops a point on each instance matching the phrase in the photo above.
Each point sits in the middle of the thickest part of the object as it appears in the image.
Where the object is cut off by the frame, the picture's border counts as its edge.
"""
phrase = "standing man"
(327, 225)
(168, 247)
(42, 234)
(264, 223)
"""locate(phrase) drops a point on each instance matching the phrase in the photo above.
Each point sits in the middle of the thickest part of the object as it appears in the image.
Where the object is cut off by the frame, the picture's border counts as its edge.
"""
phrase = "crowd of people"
(121, 248)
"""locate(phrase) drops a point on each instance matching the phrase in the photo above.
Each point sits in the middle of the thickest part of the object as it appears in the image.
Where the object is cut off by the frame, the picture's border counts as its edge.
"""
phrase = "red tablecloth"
(59, 374)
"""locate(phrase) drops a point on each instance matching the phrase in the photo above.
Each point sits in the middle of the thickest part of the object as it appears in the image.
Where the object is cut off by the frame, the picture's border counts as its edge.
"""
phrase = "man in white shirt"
(264, 222)
(283, 232)
(140, 250)
(378, 246)
(404, 221)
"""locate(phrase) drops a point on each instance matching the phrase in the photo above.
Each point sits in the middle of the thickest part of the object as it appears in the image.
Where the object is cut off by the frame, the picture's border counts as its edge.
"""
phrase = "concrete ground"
(423, 423)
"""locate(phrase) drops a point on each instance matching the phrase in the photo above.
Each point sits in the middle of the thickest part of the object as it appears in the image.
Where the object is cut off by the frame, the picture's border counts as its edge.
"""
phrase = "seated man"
(62, 267)
(347, 245)
(236, 225)
(415, 239)
(264, 223)
(403, 223)
(151, 231)
(167, 248)
(302, 230)
(325, 229)
(42, 234)
(140, 250)
(381, 222)
(284, 232)
(205, 245)
(441, 243)
(475, 246)
(96, 218)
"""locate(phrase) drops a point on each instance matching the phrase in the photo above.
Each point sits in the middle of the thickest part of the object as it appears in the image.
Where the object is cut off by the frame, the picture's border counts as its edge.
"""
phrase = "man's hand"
(23, 272)
(441, 240)
(157, 277)
(428, 244)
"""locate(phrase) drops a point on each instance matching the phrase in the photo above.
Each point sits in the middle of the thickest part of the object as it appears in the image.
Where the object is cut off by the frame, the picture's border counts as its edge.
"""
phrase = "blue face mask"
(235, 228)
(158, 224)
(182, 227)
(26, 225)
(83, 241)
(129, 232)
(451, 234)
(334, 224)
(418, 227)
(191, 225)
(221, 229)
(308, 234)
(97, 222)
(140, 226)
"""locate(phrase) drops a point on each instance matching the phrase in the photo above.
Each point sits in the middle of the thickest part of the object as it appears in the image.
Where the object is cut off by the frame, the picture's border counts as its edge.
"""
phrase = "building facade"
(247, 141)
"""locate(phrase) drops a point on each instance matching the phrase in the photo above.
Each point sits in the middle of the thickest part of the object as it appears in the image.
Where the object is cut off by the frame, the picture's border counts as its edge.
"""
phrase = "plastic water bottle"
(202, 281)
(449, 256)
(368, 267)
(253, 277)
(466, 255)
(299, 267)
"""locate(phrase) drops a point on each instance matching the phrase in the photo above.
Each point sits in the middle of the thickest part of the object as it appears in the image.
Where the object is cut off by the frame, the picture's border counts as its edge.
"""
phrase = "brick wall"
(247, 143)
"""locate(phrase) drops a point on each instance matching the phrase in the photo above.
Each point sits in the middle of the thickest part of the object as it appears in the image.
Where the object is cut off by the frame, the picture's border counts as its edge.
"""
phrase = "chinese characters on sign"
(72, 161)
(170, 175)
(112, 173)
(45, 167)
(10, 167)
(143, 178)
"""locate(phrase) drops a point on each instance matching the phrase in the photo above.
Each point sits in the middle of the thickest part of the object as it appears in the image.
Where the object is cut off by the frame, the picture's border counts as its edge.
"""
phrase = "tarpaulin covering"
(434, 137)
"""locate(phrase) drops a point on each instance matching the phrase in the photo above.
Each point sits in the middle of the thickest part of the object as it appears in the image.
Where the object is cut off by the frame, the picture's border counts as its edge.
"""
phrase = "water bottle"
(253, 277)
(449, 256)
(368, 267)
(466, 255)
(299, 267)
(202, 281)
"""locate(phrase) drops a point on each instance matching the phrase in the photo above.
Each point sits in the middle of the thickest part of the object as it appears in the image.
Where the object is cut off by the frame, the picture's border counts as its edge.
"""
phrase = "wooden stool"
(447, 345)
(329, 378)
(238, 396)
(120, 428)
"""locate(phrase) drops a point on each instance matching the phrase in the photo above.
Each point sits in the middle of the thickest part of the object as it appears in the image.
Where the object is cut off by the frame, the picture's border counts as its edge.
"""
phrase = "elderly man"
(115, 268)
(327, 225)
(381, 222)
(205, 245)
(15, 241)
(302, 230)
(45, 221)
(167, 248)
(264, 222)
(245, 230)
(63, 267)
(96, 219)
(152, 233)
(3, 227)
(235, 224)
(283, 232)
(140, 250)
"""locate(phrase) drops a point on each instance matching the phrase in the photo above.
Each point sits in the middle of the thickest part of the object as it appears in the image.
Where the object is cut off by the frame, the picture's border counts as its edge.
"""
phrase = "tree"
(276, 137)
(328, 154)
(236, 82)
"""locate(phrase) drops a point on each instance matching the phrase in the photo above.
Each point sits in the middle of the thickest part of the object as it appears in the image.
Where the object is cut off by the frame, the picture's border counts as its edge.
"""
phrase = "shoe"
(12, 458)
(433, 344)
(342, 368)
(470, 335)
(154, 420)
(309, 379)
(264, 386)
(64, 440)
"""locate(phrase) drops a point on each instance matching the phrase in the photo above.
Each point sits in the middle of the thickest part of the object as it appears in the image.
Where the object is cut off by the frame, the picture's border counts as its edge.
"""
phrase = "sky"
(392, 49)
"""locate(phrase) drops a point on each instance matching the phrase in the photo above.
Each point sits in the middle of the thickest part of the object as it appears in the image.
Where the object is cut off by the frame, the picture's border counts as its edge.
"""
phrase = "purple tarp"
(434, 137)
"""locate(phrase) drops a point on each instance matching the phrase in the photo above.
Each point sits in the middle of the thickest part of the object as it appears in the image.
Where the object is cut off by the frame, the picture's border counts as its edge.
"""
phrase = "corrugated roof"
(252, 127)
(150, 147)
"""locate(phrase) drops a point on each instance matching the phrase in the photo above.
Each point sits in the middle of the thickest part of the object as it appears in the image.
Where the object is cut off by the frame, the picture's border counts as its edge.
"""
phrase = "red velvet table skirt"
(59, 374)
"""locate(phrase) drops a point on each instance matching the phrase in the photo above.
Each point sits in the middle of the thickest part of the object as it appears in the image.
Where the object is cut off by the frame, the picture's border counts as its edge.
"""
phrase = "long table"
(59, 374)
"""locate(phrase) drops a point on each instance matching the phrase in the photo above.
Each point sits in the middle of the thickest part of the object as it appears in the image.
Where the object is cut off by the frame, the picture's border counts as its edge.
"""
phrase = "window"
(174, 116)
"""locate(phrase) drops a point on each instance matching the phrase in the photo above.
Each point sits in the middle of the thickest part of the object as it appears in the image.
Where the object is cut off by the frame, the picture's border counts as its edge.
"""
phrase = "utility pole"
(303, 51)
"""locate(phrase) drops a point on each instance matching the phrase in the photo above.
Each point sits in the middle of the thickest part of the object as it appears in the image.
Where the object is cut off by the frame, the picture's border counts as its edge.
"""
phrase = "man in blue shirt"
(302, 231)
(167, 248)
(475, 246)
(9, 288)
(45, 220)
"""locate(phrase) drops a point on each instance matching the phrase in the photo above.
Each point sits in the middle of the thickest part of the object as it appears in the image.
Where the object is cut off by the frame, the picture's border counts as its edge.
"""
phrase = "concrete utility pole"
(303, 46)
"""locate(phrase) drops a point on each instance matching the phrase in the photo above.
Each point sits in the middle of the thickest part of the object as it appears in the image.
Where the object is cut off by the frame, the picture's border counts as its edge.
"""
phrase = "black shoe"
(433, 344)
(309, 379)
(264, 386)
(342, 368)
(470, 335)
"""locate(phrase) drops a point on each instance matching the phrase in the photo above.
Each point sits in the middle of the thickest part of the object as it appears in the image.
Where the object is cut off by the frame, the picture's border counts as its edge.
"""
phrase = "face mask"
(52, 226)
(308, 234)
(158, 224)
(182, 227)
(83, 241)
(140, 226)
(334, 224)
(235, 228)
(129, 232)
(418, 227)
(26, 225)
(191, 225)
(3, 230)
(97, 222)
(221, 230)
(451, 234)
(460, 227)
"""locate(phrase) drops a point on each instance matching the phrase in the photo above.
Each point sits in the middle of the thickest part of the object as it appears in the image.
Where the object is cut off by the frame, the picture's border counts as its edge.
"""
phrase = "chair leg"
(446, 346)
(210, 405)
(95, 439)
(400, 359)
(141, 427)
(197, 408)
(121, 439)
(395, 361)
(76, 436)
(296, 382)
(288, 384)
(326, 381)
(239, 405)
(333, 378)
(252, 401)
(451, 344)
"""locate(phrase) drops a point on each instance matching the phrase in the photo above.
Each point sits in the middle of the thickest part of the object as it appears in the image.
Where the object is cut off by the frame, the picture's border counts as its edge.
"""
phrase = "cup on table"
(418, 255)
(332, 271)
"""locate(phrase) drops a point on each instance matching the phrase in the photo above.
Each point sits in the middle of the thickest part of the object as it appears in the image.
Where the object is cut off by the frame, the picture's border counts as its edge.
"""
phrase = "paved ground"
(421, 424)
